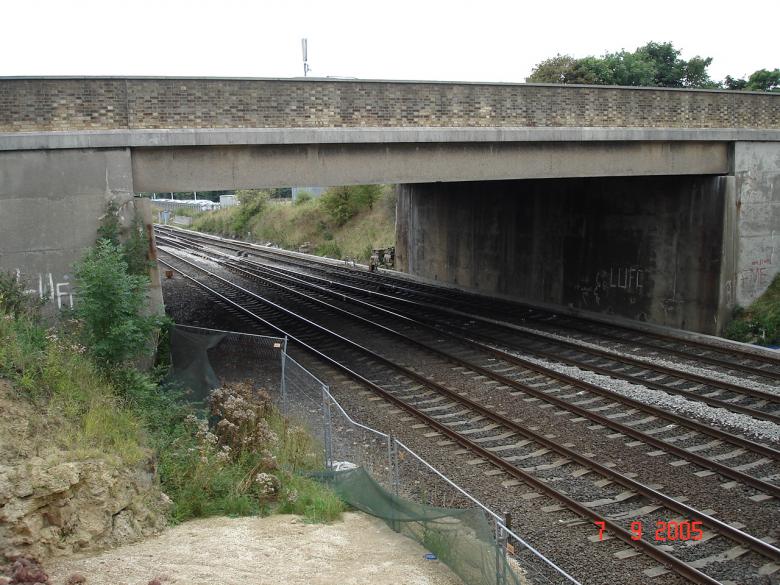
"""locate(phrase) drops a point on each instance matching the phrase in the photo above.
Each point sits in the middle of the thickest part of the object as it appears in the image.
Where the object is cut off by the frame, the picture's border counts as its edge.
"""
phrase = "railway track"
(762, 366)
(509, 446)
(760, 403)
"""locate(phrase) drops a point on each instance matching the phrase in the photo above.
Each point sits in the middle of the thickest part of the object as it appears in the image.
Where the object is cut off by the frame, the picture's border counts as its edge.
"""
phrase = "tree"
(665, 60)
(764, 80)
(343, 203)
(110, 304)
(731, 83)
(557, 69)
(654, 64)
(761, 80)
(252, 202)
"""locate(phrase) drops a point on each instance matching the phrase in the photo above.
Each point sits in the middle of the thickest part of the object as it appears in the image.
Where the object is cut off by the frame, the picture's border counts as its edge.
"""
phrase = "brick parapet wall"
(28, 105)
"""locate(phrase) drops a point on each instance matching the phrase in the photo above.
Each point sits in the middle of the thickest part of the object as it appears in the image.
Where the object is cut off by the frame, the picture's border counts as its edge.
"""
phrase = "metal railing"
(396, 467)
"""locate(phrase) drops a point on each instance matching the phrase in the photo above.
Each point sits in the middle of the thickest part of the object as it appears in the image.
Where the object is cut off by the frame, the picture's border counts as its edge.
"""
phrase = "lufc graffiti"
(626, 278)
(50, 290)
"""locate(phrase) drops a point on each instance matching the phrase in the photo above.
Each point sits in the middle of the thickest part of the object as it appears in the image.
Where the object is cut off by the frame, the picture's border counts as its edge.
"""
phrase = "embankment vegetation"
(242, 457)
(760, 322)
(345, 222)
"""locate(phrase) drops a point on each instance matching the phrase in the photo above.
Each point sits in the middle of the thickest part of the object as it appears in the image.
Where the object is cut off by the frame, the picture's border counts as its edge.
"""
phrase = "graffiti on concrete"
(49, 290)
(728, 289)
(627, 278)
(755, 278)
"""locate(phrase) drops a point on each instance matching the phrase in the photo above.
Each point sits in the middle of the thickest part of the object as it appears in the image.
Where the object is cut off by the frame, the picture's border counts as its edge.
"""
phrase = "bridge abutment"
(51, 203)
(754, 213)
(679, 251)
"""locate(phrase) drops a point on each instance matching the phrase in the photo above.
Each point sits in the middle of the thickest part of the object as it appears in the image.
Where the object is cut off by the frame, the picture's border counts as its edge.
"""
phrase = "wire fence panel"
(478, 546)
(355, 444)
(301, 400)
(417, 482)
(204, 359)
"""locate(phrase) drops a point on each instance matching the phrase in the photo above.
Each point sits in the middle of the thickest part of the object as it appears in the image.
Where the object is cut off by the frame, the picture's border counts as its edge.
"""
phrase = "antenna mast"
(304, 46)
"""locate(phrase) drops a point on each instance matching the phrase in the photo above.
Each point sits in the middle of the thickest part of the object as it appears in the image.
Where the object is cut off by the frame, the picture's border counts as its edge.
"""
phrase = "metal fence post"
(396, 477)
(500, 555)
(392, 465)
(326, 419)
(283, 384)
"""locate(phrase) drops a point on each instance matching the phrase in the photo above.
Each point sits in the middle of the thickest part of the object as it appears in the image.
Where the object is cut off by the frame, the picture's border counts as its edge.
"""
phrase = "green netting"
(190, 365)
(460, 538)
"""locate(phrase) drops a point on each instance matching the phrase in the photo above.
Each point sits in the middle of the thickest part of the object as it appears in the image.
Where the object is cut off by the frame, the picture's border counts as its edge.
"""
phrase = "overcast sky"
(480, 40)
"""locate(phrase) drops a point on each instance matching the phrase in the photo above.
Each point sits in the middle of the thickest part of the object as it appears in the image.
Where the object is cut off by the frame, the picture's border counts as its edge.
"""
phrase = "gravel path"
(264, 551)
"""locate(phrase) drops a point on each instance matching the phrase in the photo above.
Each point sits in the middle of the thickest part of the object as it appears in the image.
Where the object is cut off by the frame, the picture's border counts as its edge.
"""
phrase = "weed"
(759, 323)
(303, 197)
(15, 298)
(310, 499)
(330, 249)
(57, 374)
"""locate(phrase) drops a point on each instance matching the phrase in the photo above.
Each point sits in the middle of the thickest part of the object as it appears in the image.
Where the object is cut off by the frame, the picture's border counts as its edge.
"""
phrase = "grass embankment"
(57, 376)
(245, 465)
(80, 374)
(760, 322)
(344, 223)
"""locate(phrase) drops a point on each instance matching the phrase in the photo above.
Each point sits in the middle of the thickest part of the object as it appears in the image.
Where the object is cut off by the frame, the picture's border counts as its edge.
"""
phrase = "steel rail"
(610, 355)
(770, 360)
(755, 544)
(600, 419)
(726, 364)
(747, 410)
(678, 566)
(436, 328)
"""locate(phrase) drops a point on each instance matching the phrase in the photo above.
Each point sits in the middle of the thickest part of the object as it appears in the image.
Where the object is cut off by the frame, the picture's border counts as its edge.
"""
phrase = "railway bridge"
(655, 204)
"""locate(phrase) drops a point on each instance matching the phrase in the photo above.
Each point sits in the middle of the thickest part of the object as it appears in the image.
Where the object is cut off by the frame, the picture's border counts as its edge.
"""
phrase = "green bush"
(303, 197)
(14, 298)
(110, 303)
(251, 204)
(343, 203)
(759, 323)
(136, 245)
(135, 249)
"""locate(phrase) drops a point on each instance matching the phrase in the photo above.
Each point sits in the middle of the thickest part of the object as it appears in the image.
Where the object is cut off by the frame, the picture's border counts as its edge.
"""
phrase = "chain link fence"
(412, 495)
(377, 472)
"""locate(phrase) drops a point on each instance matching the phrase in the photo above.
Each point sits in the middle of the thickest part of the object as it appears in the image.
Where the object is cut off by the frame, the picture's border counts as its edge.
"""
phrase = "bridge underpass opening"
(669, 246)
(648, 248)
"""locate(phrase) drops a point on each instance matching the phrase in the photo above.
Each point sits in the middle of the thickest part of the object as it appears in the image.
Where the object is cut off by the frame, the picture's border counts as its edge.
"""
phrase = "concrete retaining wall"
(647, 248)
(51, 204)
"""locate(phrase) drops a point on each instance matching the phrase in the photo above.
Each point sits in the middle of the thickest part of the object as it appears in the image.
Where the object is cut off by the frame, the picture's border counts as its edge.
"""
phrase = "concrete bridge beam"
(242, 167)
